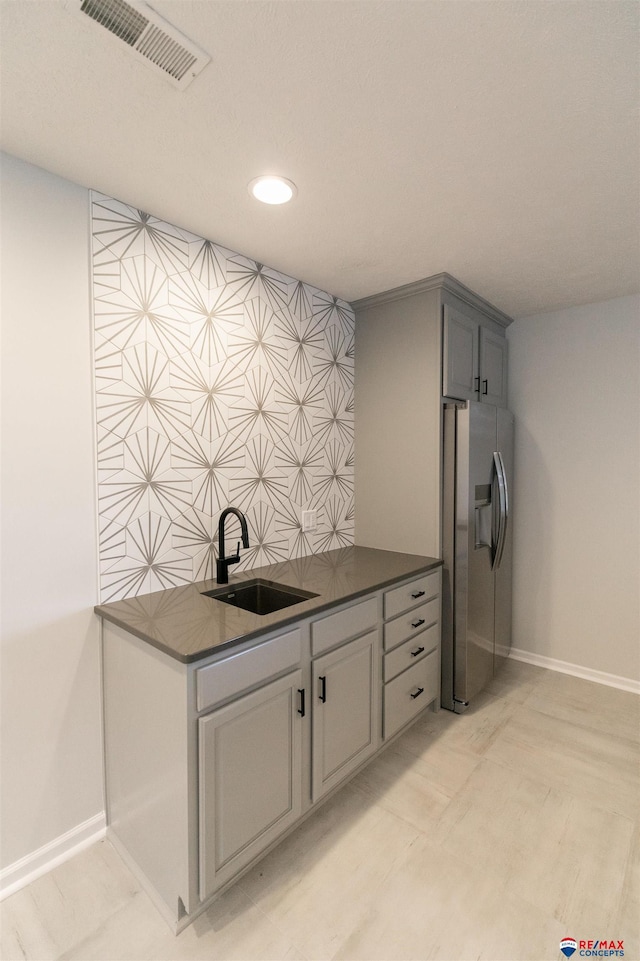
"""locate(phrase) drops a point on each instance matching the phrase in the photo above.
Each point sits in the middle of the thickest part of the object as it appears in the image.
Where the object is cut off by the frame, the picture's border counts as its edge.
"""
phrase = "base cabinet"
(344, 711)
(247, 742)
(411, 642)
(250, 783)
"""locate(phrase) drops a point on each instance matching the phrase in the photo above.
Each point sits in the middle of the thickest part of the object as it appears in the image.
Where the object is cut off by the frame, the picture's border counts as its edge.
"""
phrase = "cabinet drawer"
(403, 598)
(410, 624)
(406, 695)
(239, 672)
(410, 652)
(339, 627)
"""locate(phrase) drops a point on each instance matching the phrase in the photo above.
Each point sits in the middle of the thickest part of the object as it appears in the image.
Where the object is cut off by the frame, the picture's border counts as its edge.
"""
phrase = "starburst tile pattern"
(219, 381)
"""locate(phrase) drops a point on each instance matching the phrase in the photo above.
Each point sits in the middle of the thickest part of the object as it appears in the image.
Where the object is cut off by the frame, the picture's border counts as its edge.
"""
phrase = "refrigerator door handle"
(503, 509)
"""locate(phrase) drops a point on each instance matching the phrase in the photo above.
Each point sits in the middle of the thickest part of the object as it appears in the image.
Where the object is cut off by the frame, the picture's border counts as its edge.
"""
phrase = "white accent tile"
(219, 381)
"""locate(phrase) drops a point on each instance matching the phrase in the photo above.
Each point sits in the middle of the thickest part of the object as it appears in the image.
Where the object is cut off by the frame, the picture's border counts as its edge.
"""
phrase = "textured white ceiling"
(498, 141)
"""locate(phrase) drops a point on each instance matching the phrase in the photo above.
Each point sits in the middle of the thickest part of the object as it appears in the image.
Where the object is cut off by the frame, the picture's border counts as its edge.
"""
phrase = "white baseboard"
(586, 673)
(50, 855)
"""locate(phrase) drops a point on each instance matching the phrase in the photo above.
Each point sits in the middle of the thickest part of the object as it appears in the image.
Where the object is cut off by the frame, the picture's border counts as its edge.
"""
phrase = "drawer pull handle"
(301, 708)
(418, 693)
(419, 651)
(418, 623)
(323, 689)
(417, 594)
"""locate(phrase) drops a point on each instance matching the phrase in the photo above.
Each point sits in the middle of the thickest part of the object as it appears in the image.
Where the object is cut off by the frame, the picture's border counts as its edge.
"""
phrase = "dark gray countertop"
(188, 626)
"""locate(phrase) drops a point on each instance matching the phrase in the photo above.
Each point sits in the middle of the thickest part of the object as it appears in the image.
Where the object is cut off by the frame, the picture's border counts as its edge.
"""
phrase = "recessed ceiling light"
(272, 190)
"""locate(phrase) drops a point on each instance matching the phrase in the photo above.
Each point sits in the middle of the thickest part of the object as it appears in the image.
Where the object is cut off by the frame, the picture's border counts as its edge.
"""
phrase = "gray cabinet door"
(250, 778)
(493, 368)
(345, 711)
(460, 355)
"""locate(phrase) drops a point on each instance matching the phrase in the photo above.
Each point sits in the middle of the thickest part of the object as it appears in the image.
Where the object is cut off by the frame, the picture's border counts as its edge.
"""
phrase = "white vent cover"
(154, 41)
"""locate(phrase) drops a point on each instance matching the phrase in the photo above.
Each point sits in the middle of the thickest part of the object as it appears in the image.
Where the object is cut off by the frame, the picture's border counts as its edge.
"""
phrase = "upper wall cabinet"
(493, 368)
(474, 360)
(460, 355)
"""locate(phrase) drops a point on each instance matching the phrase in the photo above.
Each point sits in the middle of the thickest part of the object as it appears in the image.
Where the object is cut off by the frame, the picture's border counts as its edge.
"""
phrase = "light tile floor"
(491, 835)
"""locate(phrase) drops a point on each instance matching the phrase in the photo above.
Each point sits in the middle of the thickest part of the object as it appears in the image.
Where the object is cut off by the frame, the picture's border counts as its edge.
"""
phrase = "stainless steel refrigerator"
(477, 537)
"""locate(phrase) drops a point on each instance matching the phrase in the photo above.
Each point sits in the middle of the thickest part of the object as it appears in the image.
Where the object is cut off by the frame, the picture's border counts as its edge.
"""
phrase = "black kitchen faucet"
(224, 563)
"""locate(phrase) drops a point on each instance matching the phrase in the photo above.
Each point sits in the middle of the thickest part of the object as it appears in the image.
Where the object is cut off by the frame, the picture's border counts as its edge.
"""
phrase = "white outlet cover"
(309, 520)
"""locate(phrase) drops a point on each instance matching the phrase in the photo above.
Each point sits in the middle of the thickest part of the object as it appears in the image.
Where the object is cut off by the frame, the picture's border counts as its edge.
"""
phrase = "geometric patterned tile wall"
(219, 382)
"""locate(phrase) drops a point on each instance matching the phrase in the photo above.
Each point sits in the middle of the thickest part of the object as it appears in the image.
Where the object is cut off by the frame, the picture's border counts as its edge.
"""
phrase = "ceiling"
(497, 141)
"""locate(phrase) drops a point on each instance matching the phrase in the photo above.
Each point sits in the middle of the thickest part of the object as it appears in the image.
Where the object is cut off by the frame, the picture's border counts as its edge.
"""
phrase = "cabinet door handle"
(323, 689)
(417, 623)
(477, 381)
(418, 693)
(419, 651)
(485, 387)
(301, 708)
(418, 594)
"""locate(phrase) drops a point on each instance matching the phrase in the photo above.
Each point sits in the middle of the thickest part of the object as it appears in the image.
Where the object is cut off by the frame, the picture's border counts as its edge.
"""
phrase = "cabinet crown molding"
(444, 282)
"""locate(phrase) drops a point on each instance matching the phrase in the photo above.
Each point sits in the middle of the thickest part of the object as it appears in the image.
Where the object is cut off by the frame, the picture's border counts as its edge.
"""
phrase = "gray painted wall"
(51, 760)
(575, 392)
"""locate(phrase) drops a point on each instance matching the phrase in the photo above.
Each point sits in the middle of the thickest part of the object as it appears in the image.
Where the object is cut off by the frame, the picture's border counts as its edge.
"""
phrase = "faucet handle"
(234, 558)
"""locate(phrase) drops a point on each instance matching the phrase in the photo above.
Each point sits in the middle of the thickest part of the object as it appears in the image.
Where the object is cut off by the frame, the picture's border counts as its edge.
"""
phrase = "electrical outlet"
(309, 520)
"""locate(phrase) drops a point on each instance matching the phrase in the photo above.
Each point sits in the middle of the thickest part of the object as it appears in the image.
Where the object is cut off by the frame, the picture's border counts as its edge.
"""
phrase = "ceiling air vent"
(154, 40)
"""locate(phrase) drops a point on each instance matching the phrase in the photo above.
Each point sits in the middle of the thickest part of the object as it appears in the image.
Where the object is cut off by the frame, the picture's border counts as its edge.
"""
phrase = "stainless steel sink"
(260, 596)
